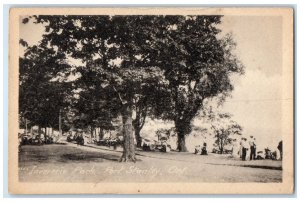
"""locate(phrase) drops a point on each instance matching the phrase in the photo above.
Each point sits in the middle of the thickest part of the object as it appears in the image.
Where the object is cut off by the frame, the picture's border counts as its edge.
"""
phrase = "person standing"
(244, 148)
(252, 148)
(235, 149)
(279, 147)
(241, 148)
(204, 149)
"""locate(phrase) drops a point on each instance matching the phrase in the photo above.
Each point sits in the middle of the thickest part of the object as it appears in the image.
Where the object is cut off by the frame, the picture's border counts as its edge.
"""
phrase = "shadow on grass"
(101, 148)
(250, 166)
(60, 153)
(60, 143)
(89, 157)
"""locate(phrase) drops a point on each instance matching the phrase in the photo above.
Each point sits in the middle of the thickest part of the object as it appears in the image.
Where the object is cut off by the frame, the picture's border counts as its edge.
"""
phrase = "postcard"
(151, 100)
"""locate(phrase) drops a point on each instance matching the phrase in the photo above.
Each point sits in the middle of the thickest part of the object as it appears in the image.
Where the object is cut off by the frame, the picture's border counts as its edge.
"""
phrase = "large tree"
(108, 47)
(198, 63)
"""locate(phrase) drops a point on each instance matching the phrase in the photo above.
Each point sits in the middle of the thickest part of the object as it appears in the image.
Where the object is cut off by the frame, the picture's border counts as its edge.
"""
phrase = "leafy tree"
(152, 101)
(92, 105)
(98, 42)
(42, 91)
(223, 128)
(197, 62)
(133, 36)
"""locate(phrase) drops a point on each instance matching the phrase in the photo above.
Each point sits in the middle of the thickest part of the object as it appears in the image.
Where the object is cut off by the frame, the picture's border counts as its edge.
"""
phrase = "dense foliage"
(159, 66)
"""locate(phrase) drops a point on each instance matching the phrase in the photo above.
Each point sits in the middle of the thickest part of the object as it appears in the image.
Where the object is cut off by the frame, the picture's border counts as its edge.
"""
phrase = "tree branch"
(122, 101)
(143, 119)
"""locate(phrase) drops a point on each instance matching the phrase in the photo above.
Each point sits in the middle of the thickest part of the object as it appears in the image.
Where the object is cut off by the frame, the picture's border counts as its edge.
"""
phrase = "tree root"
(127, 159)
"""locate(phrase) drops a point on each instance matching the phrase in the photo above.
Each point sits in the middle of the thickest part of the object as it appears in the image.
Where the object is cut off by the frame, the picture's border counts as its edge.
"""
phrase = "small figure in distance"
(252, 148)
(204, 150)
(197, 149)
(279, 147)
(244, 148)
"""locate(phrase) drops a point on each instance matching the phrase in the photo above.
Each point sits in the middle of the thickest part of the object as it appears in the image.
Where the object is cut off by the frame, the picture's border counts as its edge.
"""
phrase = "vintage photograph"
(146, 101)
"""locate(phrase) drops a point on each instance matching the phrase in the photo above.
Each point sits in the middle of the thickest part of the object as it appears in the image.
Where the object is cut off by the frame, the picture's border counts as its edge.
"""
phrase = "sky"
(256, 99)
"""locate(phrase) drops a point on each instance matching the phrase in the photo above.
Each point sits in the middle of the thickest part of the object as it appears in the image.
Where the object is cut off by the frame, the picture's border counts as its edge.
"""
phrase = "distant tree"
(224, 134)
(200, 131)
(223, 128)
(163, 133)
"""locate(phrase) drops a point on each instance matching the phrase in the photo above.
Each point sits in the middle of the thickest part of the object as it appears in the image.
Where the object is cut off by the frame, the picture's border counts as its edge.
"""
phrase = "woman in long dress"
(235, 149)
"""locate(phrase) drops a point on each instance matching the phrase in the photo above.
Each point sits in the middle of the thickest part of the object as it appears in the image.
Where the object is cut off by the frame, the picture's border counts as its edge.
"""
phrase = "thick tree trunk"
(128, 144)
(180, 128)
(181, 143)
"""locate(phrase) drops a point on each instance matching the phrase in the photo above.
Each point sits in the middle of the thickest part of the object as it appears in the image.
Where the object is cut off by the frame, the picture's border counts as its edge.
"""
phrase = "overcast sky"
(256, 100)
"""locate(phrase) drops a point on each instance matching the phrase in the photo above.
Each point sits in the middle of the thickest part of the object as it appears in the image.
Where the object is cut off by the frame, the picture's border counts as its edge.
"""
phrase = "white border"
(127, 3)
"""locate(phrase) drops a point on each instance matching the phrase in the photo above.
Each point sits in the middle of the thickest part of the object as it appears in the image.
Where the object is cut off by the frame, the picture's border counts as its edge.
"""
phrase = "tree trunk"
(221, 146)
(137, 129)
(91, 136)
(180, 128)
(46, 132)
(128, 144)
(181, 143)
(26, 129)
(95, 134)
(101, 133)
(39, 131)
(138, 137)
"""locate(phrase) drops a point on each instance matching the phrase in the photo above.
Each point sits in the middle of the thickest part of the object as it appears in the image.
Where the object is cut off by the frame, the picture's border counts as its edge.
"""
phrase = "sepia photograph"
(151, 100)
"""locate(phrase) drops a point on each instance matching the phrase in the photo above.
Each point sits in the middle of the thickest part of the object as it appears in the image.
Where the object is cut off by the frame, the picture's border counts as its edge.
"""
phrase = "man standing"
(244, 148)
(279, 147)
(252, 148)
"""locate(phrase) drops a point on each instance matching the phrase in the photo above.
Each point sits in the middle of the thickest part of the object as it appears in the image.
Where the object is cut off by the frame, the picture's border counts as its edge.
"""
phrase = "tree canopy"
(163, 66)
(42, 90)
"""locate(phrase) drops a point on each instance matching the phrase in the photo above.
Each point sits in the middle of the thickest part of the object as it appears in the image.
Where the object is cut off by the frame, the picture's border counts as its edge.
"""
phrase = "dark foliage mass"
(158, 66)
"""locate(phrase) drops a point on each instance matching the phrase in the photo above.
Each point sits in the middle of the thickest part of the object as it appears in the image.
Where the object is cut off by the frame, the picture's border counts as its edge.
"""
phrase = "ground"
(69, 162)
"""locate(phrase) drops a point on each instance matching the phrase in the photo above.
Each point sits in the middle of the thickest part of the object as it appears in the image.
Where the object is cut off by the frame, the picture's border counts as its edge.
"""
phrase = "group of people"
(78, 137)
(201, 150)
(243, 148)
